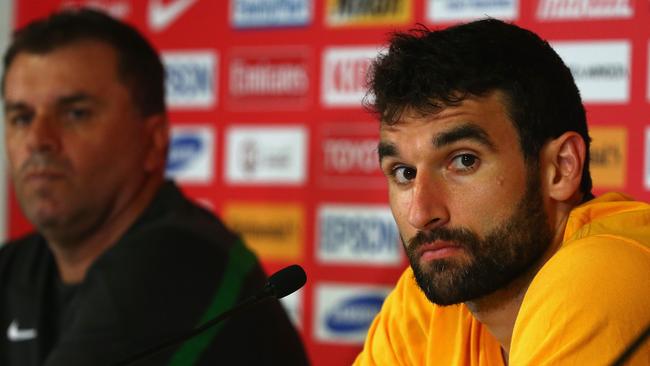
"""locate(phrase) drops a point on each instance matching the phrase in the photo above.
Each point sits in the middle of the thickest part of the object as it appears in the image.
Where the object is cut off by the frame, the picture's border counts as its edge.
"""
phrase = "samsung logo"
(190, 157)
(584, 9)
(344, 311)
(190, 79)
(354, 314)
(181, 152)
(261, 13)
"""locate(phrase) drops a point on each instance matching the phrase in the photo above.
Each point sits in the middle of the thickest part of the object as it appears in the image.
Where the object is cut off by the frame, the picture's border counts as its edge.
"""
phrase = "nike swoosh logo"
(160, 16)
(15, 334)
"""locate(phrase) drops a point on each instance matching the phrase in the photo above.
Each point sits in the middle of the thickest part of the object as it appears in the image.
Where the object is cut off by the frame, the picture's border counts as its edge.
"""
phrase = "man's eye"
(403, 174)
(76, 114)
(22, 119)
(464, 163)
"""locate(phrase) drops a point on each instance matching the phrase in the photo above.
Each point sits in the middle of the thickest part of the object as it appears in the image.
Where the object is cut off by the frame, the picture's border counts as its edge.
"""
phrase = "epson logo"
(190, 79)
(357, 234)
(182, 150)
(262, 13)
(267, 79)
(344, 75)
(347, 155)
(365, 234)
(344, 311)
(354, 314)
(190, 157)
(584, 9)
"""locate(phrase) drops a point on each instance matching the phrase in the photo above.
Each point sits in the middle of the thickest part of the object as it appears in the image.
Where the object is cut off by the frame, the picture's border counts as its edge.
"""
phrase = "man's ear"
(563, 160)
(157, 131)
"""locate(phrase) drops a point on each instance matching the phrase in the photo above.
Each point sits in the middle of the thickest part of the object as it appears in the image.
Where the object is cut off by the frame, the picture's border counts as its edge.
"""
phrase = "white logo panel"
(266, 155)
(270, 13)
(601, 69)
(584, 9)
(191, 79)
(344, 312)
(191, 154)
(357, 235)
(344, 75)
(293, 306)
(443, 11)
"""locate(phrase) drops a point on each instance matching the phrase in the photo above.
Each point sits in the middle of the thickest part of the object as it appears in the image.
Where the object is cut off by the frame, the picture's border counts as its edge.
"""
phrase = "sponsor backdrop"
(264, 96)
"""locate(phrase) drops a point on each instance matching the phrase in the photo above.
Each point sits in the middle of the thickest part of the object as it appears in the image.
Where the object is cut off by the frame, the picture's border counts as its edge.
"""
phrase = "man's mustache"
(40, 162)
(460, 236)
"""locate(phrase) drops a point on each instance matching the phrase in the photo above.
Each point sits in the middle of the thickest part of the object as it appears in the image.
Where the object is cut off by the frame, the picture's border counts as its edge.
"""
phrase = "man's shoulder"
(173, 219)
(21, 252)
(594, 291)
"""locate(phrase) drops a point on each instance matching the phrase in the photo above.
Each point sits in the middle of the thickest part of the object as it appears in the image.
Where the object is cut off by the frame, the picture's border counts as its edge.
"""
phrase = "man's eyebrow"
(10, 106)
(74, 98)
(385, 149)
(466, 131)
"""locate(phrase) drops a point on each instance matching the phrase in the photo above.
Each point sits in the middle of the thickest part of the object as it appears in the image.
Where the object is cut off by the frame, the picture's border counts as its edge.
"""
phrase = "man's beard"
(506, 252)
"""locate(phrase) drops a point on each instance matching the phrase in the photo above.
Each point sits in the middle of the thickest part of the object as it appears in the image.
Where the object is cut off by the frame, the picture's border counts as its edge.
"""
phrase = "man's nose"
(428, 207)
(43, 135)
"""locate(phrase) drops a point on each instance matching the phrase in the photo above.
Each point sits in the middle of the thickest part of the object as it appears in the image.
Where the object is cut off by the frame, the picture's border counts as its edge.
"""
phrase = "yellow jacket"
(584, 306)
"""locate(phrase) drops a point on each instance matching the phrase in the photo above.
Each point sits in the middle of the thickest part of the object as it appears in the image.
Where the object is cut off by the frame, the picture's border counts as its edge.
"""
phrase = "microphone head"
(286, 281)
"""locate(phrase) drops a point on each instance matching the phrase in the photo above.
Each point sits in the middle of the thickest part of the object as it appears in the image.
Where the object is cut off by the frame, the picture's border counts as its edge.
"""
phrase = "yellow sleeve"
(398, 334)
(586, 305)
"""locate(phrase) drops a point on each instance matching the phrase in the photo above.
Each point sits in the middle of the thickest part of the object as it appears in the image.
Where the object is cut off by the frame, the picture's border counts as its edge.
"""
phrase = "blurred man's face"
(470, 213)
(77, 145)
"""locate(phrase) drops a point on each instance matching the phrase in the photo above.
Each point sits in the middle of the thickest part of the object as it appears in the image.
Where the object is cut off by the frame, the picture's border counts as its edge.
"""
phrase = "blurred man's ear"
(562, 162)
(157, 132)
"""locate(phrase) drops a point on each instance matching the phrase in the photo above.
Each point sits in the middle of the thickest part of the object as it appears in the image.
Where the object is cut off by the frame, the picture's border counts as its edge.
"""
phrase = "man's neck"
(75, 256)
(498, 311)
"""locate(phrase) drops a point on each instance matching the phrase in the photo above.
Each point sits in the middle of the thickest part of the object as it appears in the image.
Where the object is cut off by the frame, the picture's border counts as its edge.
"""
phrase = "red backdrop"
(269, 132)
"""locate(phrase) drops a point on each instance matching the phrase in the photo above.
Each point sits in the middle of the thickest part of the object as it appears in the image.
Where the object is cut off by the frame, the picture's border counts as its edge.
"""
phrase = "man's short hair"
(139, 66)
(425, 71)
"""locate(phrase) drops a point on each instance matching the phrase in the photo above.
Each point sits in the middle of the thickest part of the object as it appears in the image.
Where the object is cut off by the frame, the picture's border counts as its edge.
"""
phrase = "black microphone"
(282, 283)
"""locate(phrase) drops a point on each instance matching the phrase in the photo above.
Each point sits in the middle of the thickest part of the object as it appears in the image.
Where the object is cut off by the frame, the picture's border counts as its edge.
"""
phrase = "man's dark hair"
(139, 66)
(426, 71)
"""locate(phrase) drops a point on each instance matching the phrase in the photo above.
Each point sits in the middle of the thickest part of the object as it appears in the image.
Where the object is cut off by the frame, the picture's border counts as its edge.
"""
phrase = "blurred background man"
(120, 259)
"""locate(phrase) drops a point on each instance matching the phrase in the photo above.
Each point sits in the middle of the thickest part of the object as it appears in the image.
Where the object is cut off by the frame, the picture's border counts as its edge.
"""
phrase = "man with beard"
(484, 143)
(120, 261)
